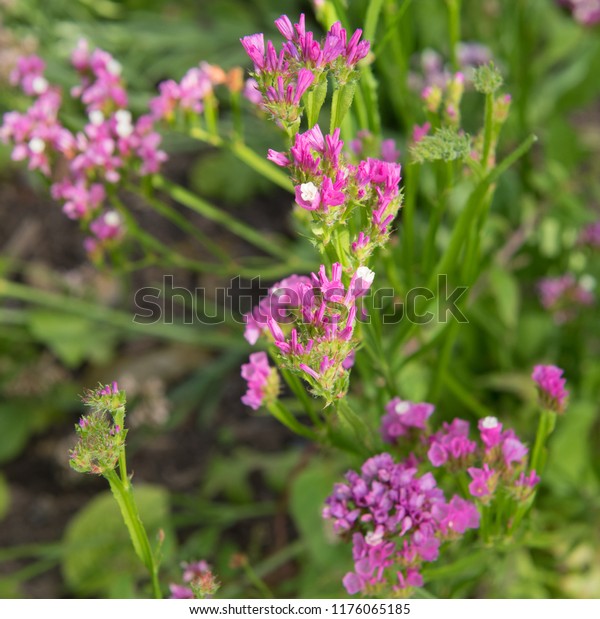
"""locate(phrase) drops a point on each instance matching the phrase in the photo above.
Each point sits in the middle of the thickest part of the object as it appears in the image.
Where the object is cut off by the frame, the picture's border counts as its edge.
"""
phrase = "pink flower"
(451, 443)
(490, 430)
(180, 592)
(484, 481)
(420, 131)
(257, 373)
(402, 416)
(29, 75)
(551, 387)
(254, 45)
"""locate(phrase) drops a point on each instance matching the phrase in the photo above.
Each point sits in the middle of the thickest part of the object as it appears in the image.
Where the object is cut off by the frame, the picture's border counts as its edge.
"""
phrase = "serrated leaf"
(97, 549)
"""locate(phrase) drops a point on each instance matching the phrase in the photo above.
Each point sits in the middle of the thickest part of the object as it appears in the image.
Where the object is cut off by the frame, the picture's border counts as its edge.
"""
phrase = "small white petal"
(114, 67)
(489, 422)
(39, 85)
(124, 130)
(96, 117)
(37, 145)
(308, 191)
(365, 274)
(401, 408)
(123, 116)
(112, 218)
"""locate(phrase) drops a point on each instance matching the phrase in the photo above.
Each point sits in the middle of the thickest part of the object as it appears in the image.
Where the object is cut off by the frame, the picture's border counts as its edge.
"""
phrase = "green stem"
(261, 165)
(464, 395)
(197, 204)
(152, 244)
(120, 320)
(284, 416)
(454, 31)
(244, 153)
(545, 428)
(295, 384)
(183, 223)
(123, 494)
(488, 130)
(408, 221)
(257, 581)
(443, 362)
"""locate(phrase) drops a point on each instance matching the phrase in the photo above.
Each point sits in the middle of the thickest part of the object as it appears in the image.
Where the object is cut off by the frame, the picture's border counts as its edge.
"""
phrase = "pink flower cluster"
(200, 573)
(284, 76)
(312, 321)
(551, 387)
(262, 379)
(331, 188)
(563, 296)
(189, 94)
(586, 12)
(403, 418)
(398, 521)
(501, 454)
(434, 73)
(110, 147)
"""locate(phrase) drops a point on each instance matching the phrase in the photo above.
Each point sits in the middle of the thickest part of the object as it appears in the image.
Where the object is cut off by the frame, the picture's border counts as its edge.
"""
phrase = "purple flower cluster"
(262, 379)
(331, 188)
(563, 295)
(312, 321)
(397, 520)
(284, 76)
(586, 12)
(551, 387)
(110, 147)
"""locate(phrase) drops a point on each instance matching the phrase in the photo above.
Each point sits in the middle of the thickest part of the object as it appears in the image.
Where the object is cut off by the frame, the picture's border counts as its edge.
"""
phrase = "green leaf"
(211, 176)
(15, 428)
(73, 339)
(328, 557)
(98, 554)
(505, 290)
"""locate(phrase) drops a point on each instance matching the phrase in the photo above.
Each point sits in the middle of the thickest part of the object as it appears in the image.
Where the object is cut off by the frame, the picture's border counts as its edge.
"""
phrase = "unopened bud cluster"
(101, 435)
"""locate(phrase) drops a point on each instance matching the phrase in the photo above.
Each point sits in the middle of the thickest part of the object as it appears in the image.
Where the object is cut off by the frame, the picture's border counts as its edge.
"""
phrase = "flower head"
(262, 379)
(551, 387)
(402, 417)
